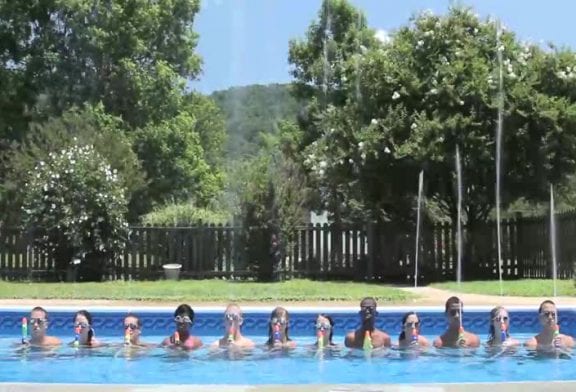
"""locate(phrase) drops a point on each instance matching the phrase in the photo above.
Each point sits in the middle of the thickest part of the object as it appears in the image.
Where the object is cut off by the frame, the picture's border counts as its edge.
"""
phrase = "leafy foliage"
(78, 201)
(88, 126)
(173, 160)
(251, 111)
(184, 214)
(410, 102)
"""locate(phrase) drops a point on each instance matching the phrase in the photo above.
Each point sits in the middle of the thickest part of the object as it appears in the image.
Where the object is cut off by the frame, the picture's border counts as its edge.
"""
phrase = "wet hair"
(491, 331)
(138, 321)
(453, 301)
(547, 302)
(184, 310)
(404, 318)
(278, 313)
(88, 316)
(40, 309)
(331, 322)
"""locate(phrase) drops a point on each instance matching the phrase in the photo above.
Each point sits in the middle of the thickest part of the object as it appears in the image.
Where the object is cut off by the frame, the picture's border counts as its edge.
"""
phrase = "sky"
(245, 42)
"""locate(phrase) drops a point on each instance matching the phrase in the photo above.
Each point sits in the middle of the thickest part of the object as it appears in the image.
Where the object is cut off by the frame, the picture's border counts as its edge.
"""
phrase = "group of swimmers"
(367, 336)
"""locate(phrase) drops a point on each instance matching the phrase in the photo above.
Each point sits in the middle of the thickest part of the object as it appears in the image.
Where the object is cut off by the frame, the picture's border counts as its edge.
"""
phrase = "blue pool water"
(118, 365)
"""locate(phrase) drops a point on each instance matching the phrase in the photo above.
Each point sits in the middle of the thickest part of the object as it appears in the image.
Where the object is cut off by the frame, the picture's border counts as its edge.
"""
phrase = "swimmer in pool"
(367, 330)
(184, 319)
(549, 335)
(233, 320)
(455, 336)
(410, 335)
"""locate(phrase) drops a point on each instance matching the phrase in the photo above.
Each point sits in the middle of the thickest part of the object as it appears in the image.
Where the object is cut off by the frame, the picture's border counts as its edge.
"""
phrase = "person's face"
(501, 318)
(38, 323)
(323, 325)
(368, 311)
(81, 322)
(548, 316)
(232, 318)
(453, 314)
(183, 322)
(412, 322)
(279, 323)
(131, 325)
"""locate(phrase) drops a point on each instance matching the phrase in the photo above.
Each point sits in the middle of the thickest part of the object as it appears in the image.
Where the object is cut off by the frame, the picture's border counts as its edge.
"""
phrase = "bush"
(184, 214)
(77, 202)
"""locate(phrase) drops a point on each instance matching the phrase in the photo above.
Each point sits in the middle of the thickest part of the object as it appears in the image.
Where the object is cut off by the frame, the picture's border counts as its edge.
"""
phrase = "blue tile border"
(158, 321)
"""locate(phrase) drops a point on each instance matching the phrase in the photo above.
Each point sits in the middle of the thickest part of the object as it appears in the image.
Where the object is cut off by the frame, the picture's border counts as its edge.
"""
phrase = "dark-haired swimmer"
(549, 335)
(367, 336)
(184, 319)
(499, 331)
(233, 320)
(38, 325)
(455, 336)
(132, 331)
(410, 335)
(84, 333)
(278, 327)
(324, 331)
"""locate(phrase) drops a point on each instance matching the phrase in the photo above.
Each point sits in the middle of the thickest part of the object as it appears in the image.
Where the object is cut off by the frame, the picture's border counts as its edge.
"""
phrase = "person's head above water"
(184, 317)
(279, 319)
(368, 312)
(548, 315)
(453, 310)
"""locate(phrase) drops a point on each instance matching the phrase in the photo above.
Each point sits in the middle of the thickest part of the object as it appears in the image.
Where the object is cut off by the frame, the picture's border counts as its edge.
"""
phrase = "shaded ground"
(427, 296)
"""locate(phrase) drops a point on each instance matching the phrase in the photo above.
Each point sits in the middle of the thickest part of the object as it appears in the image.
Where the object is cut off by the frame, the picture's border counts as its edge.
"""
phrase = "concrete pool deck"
(426, 296)
(553, 386)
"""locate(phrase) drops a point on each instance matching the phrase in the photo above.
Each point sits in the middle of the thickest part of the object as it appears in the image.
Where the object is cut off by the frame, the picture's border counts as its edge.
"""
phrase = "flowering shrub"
(76, 200)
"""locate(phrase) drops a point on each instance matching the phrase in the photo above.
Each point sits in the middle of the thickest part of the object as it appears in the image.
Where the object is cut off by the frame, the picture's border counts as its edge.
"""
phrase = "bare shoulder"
(568, 340)
(438, 342)
(422, 341)
(472, 339)
(52, 341)
(350, 339)
(532, 342)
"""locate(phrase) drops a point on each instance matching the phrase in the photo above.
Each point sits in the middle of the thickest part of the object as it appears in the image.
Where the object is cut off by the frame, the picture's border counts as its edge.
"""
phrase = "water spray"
(367, 345)
(414, 336)
(127, 337)
(461, 328)
(24, 330)
(77, 336)
(276, 333)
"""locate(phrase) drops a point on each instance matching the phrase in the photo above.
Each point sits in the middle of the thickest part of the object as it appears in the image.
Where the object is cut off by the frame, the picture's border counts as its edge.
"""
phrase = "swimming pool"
(117, 365)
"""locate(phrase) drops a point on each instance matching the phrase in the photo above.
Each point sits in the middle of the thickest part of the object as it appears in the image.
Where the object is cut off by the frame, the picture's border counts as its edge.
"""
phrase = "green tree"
(87, 126)
(131, 55)
(173, 160)
(434, 87)
(77, 201)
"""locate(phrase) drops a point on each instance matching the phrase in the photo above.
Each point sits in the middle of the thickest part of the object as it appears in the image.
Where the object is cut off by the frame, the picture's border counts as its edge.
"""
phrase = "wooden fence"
(366, 252)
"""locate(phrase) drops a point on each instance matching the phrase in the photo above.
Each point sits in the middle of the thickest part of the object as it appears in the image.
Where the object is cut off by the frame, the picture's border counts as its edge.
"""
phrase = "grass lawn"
(206, 290)
(516, 288)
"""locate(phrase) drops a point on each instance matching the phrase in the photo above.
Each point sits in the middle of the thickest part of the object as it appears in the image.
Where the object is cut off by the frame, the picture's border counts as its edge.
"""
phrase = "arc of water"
(417, 252)
(499, 151)
(459, 217)
(553, 239)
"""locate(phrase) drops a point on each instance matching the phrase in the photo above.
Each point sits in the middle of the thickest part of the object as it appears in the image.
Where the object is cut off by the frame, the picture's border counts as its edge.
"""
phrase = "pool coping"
(267, 308)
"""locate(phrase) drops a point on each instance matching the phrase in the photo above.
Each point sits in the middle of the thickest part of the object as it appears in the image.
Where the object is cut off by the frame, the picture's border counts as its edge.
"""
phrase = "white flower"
(461, 102)
(414, 126)
(386, 150)
(374, 121)
(434, 91)
(361, 145)
(350, 160)
(419, 43)
(321, 172)
(396, 95)
(363, 156)
(322, 164)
